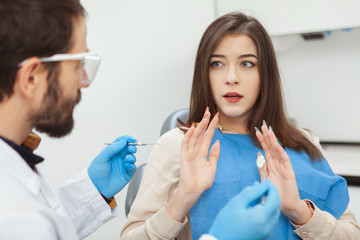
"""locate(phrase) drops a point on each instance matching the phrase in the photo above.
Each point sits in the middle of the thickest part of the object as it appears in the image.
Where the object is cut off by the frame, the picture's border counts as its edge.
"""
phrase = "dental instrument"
(138, 143)
(261, 163)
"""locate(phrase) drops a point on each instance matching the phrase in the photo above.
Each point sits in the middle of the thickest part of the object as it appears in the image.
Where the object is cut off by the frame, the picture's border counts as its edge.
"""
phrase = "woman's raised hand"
(281, 174)
(197, 174)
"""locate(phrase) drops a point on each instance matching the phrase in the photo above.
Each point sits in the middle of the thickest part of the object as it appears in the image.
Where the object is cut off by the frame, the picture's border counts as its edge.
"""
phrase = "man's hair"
(33, 28)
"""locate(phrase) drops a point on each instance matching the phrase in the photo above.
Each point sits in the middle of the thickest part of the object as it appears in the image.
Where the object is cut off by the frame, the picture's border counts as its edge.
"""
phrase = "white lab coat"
(30, 209)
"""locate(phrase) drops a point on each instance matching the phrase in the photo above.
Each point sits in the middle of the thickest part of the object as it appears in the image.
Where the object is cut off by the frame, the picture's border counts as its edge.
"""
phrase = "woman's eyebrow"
(241, 56)
(217, 55)
(248, 55)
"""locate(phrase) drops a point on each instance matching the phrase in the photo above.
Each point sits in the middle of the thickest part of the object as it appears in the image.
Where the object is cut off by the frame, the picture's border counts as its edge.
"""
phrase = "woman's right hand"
(197, 174)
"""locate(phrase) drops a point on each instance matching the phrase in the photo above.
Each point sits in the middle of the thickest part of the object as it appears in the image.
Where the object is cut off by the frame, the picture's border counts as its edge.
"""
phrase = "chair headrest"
(171, 121)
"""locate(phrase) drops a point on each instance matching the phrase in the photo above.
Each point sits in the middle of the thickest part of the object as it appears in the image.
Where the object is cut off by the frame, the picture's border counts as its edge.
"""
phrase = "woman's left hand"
(281, 174)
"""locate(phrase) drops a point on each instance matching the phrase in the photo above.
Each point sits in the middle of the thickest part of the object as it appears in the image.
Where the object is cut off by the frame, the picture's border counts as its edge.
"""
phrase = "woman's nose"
(232, 77)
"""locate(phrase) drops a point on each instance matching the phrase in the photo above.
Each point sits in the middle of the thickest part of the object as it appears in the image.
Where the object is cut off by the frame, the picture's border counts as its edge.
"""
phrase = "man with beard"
(44, 63)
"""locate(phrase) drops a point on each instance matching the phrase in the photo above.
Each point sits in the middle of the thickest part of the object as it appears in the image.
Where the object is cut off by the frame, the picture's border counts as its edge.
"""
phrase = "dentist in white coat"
(44, 63)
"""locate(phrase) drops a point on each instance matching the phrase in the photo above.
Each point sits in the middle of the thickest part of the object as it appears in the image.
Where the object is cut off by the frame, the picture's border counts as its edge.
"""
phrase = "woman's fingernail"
(270, 128)
(278, 141)
(192, 125)
(217, 114)
(264, 123)
(256, 129)
(206, 110)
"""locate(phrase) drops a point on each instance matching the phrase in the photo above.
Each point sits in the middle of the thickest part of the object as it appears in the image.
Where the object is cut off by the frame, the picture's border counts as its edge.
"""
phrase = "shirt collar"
(26, 153)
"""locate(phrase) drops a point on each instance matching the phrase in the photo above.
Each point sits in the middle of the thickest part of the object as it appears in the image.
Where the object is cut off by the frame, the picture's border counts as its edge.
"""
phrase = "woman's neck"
(231, 125)
(234, 130)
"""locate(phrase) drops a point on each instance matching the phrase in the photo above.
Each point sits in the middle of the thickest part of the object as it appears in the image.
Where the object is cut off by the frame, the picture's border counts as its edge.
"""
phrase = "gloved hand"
(244, 217)
(113, 168)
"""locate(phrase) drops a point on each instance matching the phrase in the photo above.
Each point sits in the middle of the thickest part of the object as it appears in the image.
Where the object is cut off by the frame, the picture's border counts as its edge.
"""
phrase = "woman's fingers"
(211, 129)
(206, 139)
(278, 149)
(265, 132)
(197, 140)
(200, 129)
(264, 145)
(192, 135)
(214, 154)
(262, 141)
(187, 137)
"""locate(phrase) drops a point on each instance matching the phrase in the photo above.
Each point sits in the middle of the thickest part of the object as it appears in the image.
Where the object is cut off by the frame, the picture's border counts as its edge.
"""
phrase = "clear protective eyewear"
(89, 63)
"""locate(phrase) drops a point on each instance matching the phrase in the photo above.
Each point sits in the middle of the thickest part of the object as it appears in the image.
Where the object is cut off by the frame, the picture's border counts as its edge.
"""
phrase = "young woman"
(236, 75)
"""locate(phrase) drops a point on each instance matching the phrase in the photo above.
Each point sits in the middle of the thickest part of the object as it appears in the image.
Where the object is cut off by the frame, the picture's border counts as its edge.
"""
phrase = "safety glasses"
(89, 63)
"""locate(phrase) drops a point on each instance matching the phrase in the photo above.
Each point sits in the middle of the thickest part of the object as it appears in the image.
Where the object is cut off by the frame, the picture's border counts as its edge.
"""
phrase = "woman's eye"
(216, 64)
(247, 64)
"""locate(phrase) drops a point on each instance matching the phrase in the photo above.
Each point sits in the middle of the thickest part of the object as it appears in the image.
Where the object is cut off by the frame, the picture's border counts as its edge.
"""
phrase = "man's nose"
(83, 85)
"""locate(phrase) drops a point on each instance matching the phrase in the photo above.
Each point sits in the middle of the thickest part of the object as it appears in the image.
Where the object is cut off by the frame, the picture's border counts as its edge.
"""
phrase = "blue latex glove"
(113, 168)
(244, 217)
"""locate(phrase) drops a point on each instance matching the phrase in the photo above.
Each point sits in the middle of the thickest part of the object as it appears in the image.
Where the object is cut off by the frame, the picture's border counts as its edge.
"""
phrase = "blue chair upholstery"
(134, 184)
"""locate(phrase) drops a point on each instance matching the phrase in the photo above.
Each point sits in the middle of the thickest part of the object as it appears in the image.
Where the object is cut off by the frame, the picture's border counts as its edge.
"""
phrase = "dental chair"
(134, 184)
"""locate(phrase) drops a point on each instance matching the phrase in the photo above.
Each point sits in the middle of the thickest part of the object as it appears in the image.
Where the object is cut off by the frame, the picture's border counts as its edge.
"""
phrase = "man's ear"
(29, 76)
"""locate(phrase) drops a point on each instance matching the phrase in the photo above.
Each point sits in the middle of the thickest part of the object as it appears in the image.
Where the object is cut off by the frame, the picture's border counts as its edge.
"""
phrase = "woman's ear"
(29, 76)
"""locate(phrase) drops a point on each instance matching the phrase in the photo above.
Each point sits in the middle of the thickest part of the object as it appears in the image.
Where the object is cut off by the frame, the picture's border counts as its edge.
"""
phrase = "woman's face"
(234, 78)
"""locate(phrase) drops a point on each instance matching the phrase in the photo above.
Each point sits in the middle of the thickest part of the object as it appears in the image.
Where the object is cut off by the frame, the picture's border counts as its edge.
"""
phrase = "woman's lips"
(233, 97)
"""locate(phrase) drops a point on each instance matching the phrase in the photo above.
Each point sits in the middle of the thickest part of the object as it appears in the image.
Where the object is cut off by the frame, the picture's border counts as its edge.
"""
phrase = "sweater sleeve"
(322, 225)
(148, 218)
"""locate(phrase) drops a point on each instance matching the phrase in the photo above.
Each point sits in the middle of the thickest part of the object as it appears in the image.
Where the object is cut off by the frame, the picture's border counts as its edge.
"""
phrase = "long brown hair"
(269, 106)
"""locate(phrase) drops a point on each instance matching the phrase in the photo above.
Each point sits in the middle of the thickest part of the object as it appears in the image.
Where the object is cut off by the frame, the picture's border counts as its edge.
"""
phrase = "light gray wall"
(148, 50)
(282, 17)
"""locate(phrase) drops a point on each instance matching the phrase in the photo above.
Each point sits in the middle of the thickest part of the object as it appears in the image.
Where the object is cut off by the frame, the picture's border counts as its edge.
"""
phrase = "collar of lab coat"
(25, 152)
(13, 164)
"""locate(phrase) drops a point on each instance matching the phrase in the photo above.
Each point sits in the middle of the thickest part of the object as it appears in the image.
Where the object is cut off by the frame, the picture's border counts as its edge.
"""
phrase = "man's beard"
(55, 117)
